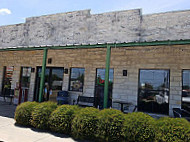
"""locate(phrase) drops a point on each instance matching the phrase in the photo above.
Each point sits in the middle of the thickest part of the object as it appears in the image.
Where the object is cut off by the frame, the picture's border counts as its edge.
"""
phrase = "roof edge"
(98, 45)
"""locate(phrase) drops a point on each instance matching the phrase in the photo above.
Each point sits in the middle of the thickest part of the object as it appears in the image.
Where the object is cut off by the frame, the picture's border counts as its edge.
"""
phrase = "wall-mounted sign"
(26, 71)
(10, 68)
(124, 72)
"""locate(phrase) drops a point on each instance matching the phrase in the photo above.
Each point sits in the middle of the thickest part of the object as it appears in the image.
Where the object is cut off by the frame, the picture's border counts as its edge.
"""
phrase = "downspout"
(106, 84)
(43, 75)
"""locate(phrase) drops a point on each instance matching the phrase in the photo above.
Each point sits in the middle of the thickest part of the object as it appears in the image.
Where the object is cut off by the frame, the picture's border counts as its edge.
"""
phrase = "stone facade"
(73, 28)
(166, 26)
(174, 58)
(80, 27)
(18, 60)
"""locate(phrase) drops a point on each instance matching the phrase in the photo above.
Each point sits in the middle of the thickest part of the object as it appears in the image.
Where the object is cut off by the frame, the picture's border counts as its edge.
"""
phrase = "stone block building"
(143, 59)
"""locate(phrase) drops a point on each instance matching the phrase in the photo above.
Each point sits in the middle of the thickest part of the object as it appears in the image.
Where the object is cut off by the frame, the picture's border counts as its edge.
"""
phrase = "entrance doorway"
(24, 84)
(53, 83)
(154, 90)
(7, 80)
(99, 88)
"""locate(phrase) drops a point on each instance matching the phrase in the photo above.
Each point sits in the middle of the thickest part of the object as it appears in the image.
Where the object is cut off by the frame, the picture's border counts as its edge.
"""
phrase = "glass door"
(56, 81)
(186, 90)
(154, 91)
(53, 83)
(99, 88)
(25, 82)
(7, 80)
(25, 77)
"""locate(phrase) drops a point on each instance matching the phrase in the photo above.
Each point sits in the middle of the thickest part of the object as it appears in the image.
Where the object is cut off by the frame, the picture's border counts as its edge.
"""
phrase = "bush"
(41, 114)
(138, 127)
(172, 130)
(60, 119)
(84, 124)
(23, 113)
(110, 124)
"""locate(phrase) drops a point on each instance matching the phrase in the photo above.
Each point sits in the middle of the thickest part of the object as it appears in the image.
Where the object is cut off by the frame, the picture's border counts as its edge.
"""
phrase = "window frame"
(182, 84)
(153, 69)
(70, 79)
(3, 79)
(21, 75)
(109, 76)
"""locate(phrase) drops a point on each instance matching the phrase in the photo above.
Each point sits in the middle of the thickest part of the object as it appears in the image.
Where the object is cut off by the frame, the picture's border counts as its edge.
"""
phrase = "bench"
(181, 113)
(128, 108)
(85, 101)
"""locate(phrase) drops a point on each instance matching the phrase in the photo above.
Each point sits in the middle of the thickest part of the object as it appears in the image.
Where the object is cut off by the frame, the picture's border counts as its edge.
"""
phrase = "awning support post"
(42, 79)
(106, 84)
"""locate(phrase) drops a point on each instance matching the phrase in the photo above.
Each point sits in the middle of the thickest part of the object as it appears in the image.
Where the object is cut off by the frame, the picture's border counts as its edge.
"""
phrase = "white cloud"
(23, 18)
(5, 11)
(155, 6)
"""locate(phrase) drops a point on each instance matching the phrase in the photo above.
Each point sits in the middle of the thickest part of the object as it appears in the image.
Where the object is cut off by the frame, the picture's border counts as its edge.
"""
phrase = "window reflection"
(57, 78)
(7, 80)
(53, 82)
(77, 79)
(154, 91)
(25, 77)
(99, 88)
(186, 90)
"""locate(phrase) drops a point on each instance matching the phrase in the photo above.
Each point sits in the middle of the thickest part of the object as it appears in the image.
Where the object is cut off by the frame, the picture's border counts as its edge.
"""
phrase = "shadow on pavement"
(48, 131)
(7, 109)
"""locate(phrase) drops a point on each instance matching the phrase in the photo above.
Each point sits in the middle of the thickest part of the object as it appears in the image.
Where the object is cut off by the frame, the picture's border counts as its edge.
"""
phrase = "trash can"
(62, 97)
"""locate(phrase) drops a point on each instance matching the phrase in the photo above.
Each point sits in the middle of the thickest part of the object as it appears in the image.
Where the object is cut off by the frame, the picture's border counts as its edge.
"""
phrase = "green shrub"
(172, 130)
(110, 124)
(41, 114)
(61, 118)
(84, 124)
(23, 113)
(138, 127)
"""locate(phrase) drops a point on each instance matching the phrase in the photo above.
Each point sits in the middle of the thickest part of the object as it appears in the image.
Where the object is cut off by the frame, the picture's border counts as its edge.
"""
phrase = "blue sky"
(15, 11)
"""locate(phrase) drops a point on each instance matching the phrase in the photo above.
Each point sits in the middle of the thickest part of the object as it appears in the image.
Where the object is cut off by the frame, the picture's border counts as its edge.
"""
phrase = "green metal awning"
(80, 46)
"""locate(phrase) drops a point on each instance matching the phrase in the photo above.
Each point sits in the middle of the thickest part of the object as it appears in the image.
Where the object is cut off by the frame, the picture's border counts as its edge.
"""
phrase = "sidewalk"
(9, 132)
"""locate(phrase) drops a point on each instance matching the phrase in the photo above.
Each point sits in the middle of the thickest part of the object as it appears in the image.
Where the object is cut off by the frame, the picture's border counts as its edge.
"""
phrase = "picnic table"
(121, 102)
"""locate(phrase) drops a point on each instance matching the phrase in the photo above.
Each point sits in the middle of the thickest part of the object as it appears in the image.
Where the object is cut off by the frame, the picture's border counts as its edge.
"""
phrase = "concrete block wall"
(82, 27)
(164, 26)
(73, 28)
(173, 58)
(90, 59)
(13, 35)
(120, 26)
(20, 59)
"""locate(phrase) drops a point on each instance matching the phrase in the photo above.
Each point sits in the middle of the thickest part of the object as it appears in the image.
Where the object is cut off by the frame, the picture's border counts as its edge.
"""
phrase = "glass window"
(76, 79)
(154, 91)
(57, 78)
(99, 88)
(53, 82)
(7, 80)
(25, 76)
(186, 90)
